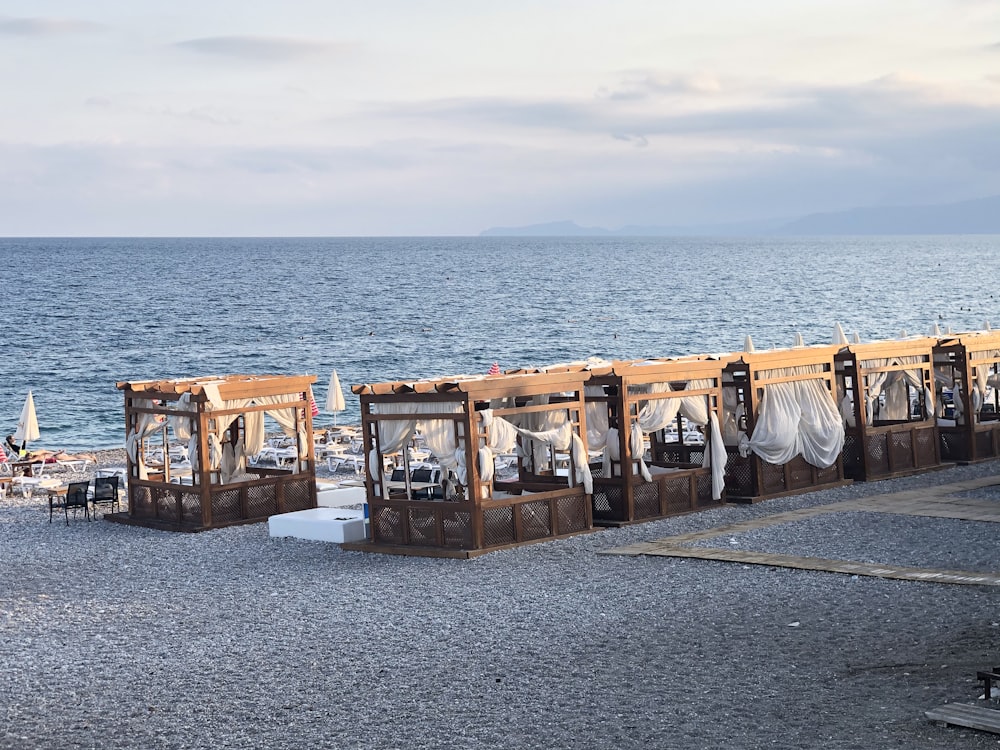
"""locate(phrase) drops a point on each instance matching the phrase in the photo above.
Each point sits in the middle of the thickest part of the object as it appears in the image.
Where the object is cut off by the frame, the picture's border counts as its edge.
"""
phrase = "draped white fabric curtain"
(597, 419)
(561, 438)
(894, 385)
(797, 417)
(984, 380)
(439, 434)
(656, 414)
(146, 425)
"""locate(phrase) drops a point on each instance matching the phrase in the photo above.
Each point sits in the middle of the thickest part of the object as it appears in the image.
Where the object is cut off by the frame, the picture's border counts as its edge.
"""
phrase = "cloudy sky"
(424, 117)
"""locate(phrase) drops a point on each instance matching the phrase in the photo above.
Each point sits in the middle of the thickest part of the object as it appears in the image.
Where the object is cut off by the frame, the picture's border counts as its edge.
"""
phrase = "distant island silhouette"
(979, 216)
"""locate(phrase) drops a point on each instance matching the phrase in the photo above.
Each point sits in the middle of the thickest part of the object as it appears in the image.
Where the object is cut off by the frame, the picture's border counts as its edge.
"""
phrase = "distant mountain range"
(980, 216)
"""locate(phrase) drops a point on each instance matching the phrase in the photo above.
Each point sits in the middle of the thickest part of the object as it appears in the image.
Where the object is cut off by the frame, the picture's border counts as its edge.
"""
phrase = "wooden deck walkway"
(940, 501)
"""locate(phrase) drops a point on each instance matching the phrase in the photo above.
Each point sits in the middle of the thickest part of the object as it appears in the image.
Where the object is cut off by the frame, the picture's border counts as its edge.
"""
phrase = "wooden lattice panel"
(925, 443)
(140, 502)
(646, 500)
(386, 525)
(984, 444)
(800, 473)
(901, 450)
(572, 513)
(704, 499)
(422, 528)
(852, 455)
(191, 504)
(226, 506)
(878, 454)
(535, 523)
(773, 477)
(954, 446)
(457, 529)
(739, 476)
(296, 496)
(677, 491)
(262, 501)
(829, 475)
(498, 526)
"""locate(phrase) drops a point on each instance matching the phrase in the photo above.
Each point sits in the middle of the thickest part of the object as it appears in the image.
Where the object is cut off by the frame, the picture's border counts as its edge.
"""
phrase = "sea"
(79, 315)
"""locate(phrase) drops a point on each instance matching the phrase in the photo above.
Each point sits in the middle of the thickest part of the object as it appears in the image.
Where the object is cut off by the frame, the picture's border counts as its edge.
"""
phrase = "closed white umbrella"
(748, 344)
(839, 337)
(27, 425)
(335, 397)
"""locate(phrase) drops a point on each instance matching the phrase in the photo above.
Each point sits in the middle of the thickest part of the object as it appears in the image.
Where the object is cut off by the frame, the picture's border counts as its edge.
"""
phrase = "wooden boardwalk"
(940, 501)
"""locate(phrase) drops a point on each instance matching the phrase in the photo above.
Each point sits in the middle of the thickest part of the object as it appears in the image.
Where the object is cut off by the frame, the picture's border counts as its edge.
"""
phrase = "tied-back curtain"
(984, 380)
(145, 425)
(655, 414)
(894, 385)
(393, 434)
(731, 414)
(797, 417)
(439, 437)
(561, 438)
(597, 419)
(285, 417)
(181, 424)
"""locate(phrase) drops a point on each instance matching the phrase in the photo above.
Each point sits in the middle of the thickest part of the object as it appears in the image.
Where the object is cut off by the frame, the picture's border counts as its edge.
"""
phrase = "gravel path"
(120, 637)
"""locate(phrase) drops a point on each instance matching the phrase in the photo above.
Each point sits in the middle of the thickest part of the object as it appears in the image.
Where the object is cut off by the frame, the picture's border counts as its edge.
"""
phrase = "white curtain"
(656, 414)
(597, 419)
(894, 385)
(182, 425)
(561, 438)
(146, 425)
(797, 417)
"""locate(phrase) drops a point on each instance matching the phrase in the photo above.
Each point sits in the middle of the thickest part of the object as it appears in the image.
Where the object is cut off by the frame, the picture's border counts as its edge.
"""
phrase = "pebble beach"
(121, 637)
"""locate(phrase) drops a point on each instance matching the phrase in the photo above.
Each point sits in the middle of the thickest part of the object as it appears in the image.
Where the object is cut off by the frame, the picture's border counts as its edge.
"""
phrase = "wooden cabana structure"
(886, 397)
(668, 409)
(211, 425)
(783, 431)
(967, 375)
(467, 422)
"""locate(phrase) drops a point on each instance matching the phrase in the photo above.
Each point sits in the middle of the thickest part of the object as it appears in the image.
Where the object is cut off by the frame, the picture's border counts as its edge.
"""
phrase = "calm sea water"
(81, 314)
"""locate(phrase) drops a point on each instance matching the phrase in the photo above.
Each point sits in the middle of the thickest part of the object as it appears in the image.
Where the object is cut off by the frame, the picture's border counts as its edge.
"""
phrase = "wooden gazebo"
(628, 400)
(463, 421)
(885, 390)
(188, 441)
(746, 379)
(968, 365)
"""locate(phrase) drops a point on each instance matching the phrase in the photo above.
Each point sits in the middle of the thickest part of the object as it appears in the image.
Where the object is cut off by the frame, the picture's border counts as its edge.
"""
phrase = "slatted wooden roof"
(479, 386)
(914, 345)
(769, 359)
(972, 340)
(230, 386)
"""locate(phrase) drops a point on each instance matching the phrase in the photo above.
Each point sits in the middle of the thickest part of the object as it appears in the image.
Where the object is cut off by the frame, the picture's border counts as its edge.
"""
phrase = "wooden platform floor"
(940, 501)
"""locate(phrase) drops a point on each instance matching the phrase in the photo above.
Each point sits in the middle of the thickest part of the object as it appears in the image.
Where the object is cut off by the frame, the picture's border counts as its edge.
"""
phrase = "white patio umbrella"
(748, 344)
(839, 337)
(335, 397)
(27, 425)
(799, 341)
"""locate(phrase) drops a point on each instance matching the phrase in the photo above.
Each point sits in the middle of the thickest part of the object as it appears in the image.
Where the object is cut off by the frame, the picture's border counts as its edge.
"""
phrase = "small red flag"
(313, 409)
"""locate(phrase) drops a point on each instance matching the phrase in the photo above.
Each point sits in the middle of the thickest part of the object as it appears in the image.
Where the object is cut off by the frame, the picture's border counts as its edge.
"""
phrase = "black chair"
(106, 492)
(398, 475)
(75, 497)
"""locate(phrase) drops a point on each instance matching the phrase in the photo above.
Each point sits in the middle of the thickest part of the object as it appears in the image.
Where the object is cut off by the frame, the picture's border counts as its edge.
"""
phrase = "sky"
(306, 118)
